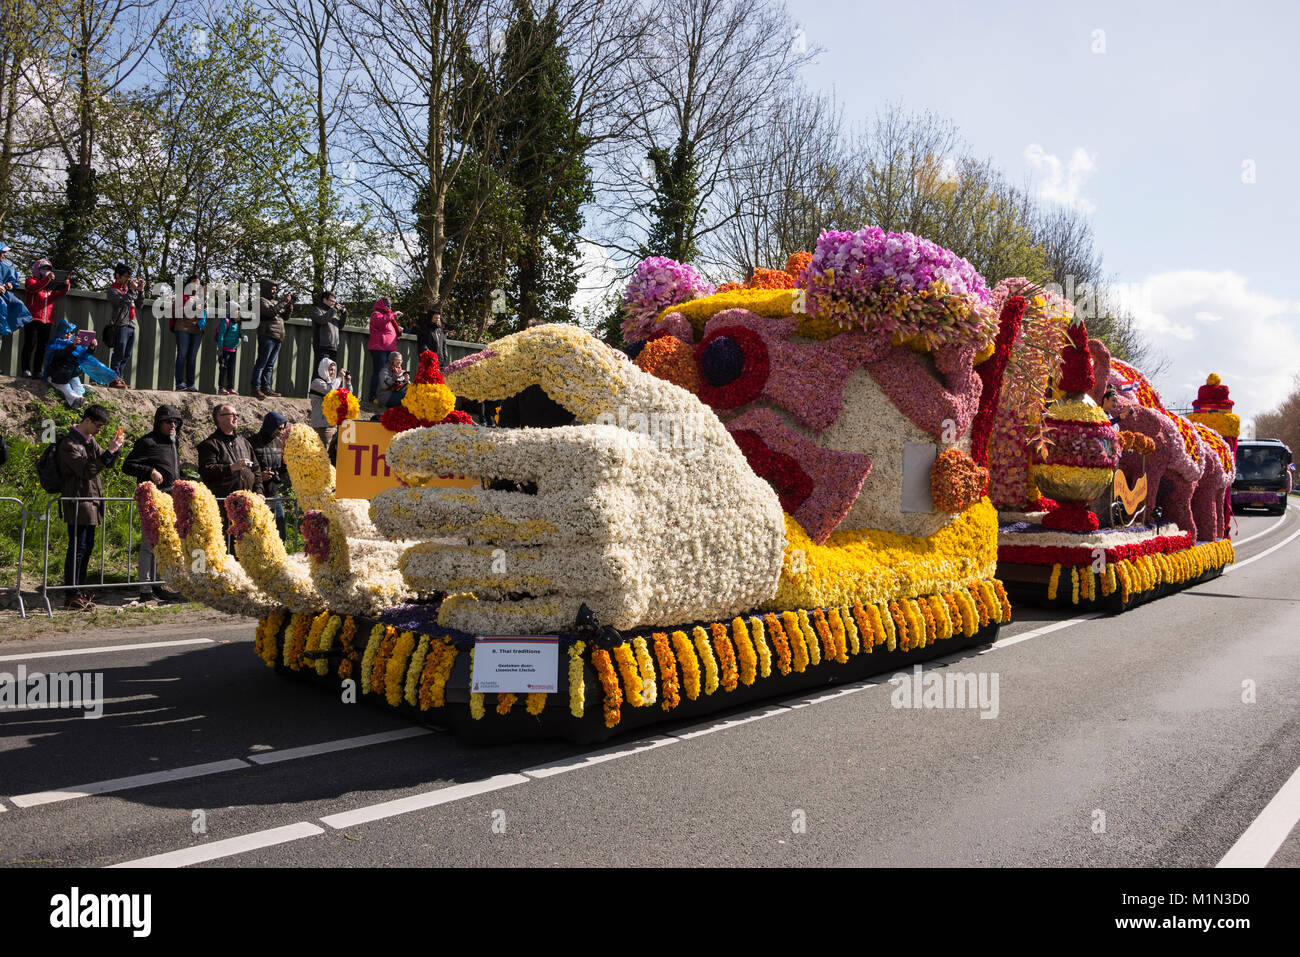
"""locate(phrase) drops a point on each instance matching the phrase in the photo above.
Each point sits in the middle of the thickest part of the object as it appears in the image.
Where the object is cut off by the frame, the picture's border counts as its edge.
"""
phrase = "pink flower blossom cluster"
(899, 285)
(658, 282)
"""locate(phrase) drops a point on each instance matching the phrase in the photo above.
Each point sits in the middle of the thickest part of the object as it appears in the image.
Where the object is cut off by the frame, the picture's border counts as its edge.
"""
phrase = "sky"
(1172, 125)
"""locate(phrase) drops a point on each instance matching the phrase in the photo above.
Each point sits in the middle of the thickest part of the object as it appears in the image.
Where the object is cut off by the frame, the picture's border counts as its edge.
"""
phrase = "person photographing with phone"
(41, 290)
(125, 296)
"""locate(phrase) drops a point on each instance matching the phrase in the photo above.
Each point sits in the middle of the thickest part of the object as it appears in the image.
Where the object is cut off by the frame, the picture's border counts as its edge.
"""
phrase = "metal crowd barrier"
(22, 542)
(293, 537)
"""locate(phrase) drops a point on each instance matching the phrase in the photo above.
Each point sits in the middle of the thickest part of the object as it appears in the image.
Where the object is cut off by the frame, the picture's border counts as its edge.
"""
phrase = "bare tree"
(712, 72)
(95, 47)
(433, 85)
(786, 185)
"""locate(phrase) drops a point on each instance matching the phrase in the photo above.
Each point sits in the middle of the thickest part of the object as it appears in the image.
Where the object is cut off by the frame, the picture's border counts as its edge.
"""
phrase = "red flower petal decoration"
(734, 366)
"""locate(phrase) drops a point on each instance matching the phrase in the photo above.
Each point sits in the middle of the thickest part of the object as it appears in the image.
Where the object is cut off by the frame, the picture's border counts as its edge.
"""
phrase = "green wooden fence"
(153, 363)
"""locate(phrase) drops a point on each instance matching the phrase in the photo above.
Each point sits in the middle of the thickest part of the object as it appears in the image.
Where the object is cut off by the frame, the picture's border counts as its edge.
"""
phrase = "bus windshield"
(1262, 463)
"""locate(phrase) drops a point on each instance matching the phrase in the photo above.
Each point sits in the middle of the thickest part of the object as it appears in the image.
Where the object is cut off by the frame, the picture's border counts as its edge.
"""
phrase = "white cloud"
(1062, 182)
(1207, 321)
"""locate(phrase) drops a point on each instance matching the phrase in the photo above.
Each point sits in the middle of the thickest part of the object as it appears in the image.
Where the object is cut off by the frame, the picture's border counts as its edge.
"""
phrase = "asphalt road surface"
(1160, 737)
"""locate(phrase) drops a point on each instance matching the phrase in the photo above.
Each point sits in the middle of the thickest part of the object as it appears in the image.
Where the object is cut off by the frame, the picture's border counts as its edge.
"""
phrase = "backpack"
(47, 467)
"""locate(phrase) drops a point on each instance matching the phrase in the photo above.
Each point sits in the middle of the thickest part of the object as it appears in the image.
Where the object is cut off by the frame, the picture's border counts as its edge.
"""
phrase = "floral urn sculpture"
(1076, 461)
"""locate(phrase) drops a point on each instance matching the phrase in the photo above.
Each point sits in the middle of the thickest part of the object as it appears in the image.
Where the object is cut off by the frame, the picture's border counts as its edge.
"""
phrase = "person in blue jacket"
(13, 311)
(65, 361)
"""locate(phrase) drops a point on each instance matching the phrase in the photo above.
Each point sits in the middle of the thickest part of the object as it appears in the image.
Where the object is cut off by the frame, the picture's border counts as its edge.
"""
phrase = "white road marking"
(597, 757)
(101, 649)
(1267, 832)
(709, 727)
(1280, 521)
(122, 784)
(229, 847)
(839, 692)
(418, 802)
(1040, 631)
(342, 744)
(1268, 551)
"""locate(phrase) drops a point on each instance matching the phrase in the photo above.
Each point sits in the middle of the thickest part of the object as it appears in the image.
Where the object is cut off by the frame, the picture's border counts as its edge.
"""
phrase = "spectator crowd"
(227, 461)
(62, 355)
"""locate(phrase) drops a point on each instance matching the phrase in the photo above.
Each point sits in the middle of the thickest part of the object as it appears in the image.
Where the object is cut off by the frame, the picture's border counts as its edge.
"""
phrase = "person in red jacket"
(41, 291)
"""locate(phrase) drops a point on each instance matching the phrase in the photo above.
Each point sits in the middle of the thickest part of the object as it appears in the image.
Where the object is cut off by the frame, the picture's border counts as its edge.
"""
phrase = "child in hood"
(327, 378)
(65, 361)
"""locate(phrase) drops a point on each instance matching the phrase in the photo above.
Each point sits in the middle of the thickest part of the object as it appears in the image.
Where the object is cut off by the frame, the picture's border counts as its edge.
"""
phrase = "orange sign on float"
(362, 470)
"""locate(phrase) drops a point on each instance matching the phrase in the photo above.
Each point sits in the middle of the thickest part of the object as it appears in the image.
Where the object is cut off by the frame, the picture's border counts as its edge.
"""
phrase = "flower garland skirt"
(609, 685)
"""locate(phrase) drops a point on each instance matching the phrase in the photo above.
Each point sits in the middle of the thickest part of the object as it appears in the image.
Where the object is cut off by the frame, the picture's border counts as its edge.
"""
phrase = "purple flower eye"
(722, 361)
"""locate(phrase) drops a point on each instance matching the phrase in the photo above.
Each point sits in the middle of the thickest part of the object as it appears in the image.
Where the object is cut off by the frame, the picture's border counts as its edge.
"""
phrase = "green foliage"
(675, 208)
(514, 210)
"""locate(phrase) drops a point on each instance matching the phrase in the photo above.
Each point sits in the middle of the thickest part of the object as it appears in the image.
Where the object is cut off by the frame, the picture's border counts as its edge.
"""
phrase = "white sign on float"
(518, 664)
(918, 460)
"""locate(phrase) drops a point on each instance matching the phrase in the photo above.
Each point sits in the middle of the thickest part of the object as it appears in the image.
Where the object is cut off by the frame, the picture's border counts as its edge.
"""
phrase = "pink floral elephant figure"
(1172, 472)
(1210, 502)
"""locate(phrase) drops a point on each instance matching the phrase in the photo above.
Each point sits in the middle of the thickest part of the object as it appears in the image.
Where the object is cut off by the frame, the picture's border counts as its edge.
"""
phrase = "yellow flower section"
(429, 401)
(1134, 576)
(769, 303)
(309, 467)
(1227, 424)
(1076, 411)
(871, 566)
(554, 357)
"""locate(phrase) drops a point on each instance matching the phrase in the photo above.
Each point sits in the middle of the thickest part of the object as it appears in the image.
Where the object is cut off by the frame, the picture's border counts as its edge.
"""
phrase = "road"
(1155, 738)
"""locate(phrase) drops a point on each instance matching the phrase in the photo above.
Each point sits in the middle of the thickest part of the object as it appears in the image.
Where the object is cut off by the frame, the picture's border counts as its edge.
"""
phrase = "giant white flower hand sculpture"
(645, 509)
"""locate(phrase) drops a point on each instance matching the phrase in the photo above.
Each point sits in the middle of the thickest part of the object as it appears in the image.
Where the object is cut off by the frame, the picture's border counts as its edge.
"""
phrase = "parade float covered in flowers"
(1096, 509)
(770, 490)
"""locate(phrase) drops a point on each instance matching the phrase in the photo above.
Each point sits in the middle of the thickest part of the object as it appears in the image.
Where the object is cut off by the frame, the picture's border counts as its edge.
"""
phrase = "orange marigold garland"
(646, 667)
(707, 660)
(505, 701)
(810, 638)
(1005, 602)
(840, 634)
(900, 623)
(612, 696)
(927, 615)
(726, 652)
(780, 644)
(799, 656)
(295, 640)
(347, 639)
(626, 664)
(746, 656)
(758, 633)
(268, 630)
(690, 664)
(671, 696)
(379, 668)
(866, 628)
(395, 668)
